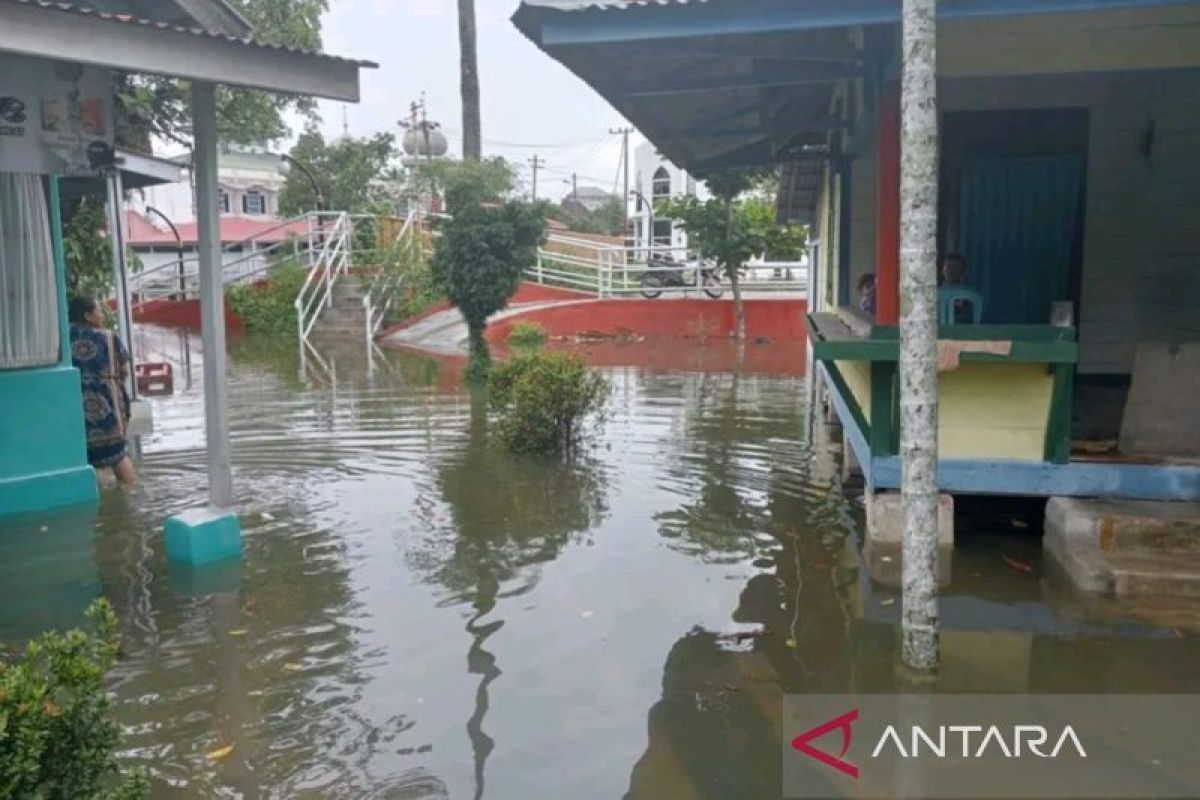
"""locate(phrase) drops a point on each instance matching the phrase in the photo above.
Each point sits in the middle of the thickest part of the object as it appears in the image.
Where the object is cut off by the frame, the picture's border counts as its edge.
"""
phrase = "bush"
(527, 335)
(57, 736)
(269, 307)
(543, 400)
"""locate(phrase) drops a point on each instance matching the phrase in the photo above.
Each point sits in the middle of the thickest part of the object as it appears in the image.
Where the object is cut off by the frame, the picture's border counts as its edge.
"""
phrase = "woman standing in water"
(103, 364)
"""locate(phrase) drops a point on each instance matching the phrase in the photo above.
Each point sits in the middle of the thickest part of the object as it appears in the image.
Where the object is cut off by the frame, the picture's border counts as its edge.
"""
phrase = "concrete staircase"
(345, 320)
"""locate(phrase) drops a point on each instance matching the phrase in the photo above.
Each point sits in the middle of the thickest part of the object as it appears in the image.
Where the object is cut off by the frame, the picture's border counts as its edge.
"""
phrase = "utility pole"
(624, 134)
(575, 186)
(537, 162)
(918, 334)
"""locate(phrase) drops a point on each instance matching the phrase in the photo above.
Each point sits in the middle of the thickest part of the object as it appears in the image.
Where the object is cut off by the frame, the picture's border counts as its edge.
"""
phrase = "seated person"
(953, 274)
(866, 294)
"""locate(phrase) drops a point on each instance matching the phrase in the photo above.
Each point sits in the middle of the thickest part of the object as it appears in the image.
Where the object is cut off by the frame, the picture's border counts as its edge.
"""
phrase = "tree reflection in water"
(509, 515)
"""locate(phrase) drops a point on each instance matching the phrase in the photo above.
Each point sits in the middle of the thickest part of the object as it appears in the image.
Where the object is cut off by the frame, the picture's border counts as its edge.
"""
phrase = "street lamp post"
(286, 161)
(178, 249)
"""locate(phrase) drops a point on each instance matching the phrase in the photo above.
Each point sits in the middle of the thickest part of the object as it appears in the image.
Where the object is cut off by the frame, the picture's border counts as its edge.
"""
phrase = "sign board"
(56, 117)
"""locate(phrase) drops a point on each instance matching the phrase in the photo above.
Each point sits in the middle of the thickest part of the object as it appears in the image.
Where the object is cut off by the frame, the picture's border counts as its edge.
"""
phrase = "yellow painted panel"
(857, 375)
(994, 410)
(1120, 39)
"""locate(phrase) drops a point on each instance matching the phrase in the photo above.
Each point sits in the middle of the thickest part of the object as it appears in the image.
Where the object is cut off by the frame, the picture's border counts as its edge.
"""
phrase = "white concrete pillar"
(116, 244)
(212, 533)
(212, 296)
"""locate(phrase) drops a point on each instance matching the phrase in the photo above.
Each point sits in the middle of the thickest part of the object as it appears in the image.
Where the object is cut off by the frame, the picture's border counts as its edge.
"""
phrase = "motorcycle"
(668, 272)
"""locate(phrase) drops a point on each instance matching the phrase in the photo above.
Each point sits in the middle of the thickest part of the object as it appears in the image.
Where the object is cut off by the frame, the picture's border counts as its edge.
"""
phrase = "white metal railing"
(611, 270)
(333, 260)
(387, 285)
(245, 261)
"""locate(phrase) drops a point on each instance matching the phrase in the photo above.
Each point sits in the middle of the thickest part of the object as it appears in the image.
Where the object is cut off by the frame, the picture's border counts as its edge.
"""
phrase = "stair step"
(1175, 575)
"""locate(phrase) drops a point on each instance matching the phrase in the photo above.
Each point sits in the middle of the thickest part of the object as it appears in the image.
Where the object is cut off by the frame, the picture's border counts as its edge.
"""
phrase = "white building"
(656, 180)
(249, 181)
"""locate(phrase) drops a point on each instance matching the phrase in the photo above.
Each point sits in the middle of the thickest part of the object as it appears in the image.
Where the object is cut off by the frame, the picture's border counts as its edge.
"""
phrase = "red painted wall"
(179, 313)
(714, 319)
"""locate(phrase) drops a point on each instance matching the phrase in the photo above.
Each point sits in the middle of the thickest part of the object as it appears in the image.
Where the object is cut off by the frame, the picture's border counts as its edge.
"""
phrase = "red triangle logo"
(838, 762)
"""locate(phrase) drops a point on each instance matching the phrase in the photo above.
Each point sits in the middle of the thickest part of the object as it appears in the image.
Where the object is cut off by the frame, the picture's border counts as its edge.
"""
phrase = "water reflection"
(419, 615)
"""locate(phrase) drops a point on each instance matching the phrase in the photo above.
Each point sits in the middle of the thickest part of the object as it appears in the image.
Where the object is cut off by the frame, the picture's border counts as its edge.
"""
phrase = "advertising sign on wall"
(55, 117)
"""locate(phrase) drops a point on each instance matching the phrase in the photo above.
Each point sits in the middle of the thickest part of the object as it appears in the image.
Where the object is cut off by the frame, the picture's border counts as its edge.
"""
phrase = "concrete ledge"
(203, 536)
(1126, 548)
(48, 490)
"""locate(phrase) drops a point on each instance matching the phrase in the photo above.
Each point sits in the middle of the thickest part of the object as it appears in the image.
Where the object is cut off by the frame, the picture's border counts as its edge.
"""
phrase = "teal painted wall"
(43, 444)
(43, 459)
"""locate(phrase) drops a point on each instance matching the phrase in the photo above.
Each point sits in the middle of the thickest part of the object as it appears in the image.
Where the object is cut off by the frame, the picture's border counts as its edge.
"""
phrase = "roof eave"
(146, 48)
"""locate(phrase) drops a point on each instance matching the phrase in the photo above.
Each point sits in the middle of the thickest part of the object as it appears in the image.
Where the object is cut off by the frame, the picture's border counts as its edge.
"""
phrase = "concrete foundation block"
(1126, 548)
(141, 418)
(885, 519)
(884, 546)
(203, 536)
(850, 466)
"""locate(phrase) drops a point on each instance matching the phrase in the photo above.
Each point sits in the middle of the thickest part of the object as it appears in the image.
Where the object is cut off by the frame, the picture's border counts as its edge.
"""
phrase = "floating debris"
(219, 753)
(1018, 565)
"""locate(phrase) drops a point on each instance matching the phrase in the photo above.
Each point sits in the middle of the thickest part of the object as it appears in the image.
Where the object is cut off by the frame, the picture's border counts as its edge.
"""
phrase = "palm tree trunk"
(918, 333)
(472, 137)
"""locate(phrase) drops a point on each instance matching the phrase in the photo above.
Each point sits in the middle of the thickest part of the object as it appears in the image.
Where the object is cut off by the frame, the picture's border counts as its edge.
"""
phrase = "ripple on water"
(419, 615)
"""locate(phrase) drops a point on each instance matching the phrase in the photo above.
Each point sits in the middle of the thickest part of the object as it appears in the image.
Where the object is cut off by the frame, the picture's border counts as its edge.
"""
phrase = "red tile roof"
(142, 232)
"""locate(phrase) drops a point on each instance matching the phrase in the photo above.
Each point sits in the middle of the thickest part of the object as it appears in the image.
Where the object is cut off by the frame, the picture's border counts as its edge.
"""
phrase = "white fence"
(611, 270)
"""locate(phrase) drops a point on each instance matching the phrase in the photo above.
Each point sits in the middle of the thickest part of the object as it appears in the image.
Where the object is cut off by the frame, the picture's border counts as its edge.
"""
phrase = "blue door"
(1019, 229)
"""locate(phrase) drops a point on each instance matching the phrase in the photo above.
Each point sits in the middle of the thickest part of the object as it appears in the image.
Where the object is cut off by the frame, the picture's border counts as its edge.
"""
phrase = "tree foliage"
(58, 738)
(544, 400)
(355, 174)
(491, 178)
(150, 107)
(483, 249)
(89, 262)
(732, 229)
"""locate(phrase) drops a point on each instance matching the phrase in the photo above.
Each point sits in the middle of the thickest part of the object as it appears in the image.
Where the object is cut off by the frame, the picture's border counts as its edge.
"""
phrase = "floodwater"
(421, 616)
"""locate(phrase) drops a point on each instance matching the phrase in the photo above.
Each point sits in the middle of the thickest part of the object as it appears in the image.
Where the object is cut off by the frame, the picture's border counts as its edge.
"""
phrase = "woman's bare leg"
(124, 471)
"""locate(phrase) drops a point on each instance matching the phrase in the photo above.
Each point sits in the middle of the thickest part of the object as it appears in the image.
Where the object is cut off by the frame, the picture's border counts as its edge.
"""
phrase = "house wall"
(1141, 252)
(997, 410)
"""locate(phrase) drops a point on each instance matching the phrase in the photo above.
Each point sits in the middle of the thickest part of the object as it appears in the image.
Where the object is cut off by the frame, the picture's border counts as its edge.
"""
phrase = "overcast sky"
(528, 98)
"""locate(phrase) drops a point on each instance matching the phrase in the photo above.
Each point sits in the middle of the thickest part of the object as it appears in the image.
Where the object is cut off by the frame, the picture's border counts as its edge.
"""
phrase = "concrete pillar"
(204, 535)
(884, 544)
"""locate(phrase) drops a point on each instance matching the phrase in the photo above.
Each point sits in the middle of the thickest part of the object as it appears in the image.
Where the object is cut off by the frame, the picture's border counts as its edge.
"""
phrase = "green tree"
(58, 738)
(733, 230)
(354, 174)
(544, 400)
(89, 262)
(489, 178)
(483, 249)
(150, 107)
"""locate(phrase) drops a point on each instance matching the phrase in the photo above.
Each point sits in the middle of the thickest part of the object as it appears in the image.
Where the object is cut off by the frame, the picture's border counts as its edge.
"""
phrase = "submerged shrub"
(527, 334)
(269, 307)
(544, 400)
(57, 735)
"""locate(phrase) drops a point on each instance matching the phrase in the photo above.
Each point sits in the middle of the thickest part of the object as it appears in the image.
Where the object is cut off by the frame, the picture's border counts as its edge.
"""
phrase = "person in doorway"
(103, 364)
(954, 270)
(866, 294)
(954, 274)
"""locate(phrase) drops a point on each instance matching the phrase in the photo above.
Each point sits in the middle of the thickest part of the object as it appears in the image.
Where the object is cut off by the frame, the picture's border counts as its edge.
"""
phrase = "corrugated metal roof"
(130, 19)
(576, 5)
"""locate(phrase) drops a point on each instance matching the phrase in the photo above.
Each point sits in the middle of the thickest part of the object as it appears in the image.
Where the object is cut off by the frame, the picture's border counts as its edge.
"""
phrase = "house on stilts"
(1070, 167)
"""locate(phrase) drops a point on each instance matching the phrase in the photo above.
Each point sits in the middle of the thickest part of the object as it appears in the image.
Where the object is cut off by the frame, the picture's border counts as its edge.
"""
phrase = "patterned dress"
(99, 355)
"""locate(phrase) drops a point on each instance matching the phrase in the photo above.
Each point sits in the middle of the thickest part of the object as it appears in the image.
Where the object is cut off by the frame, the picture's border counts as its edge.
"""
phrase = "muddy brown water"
(420, 616)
